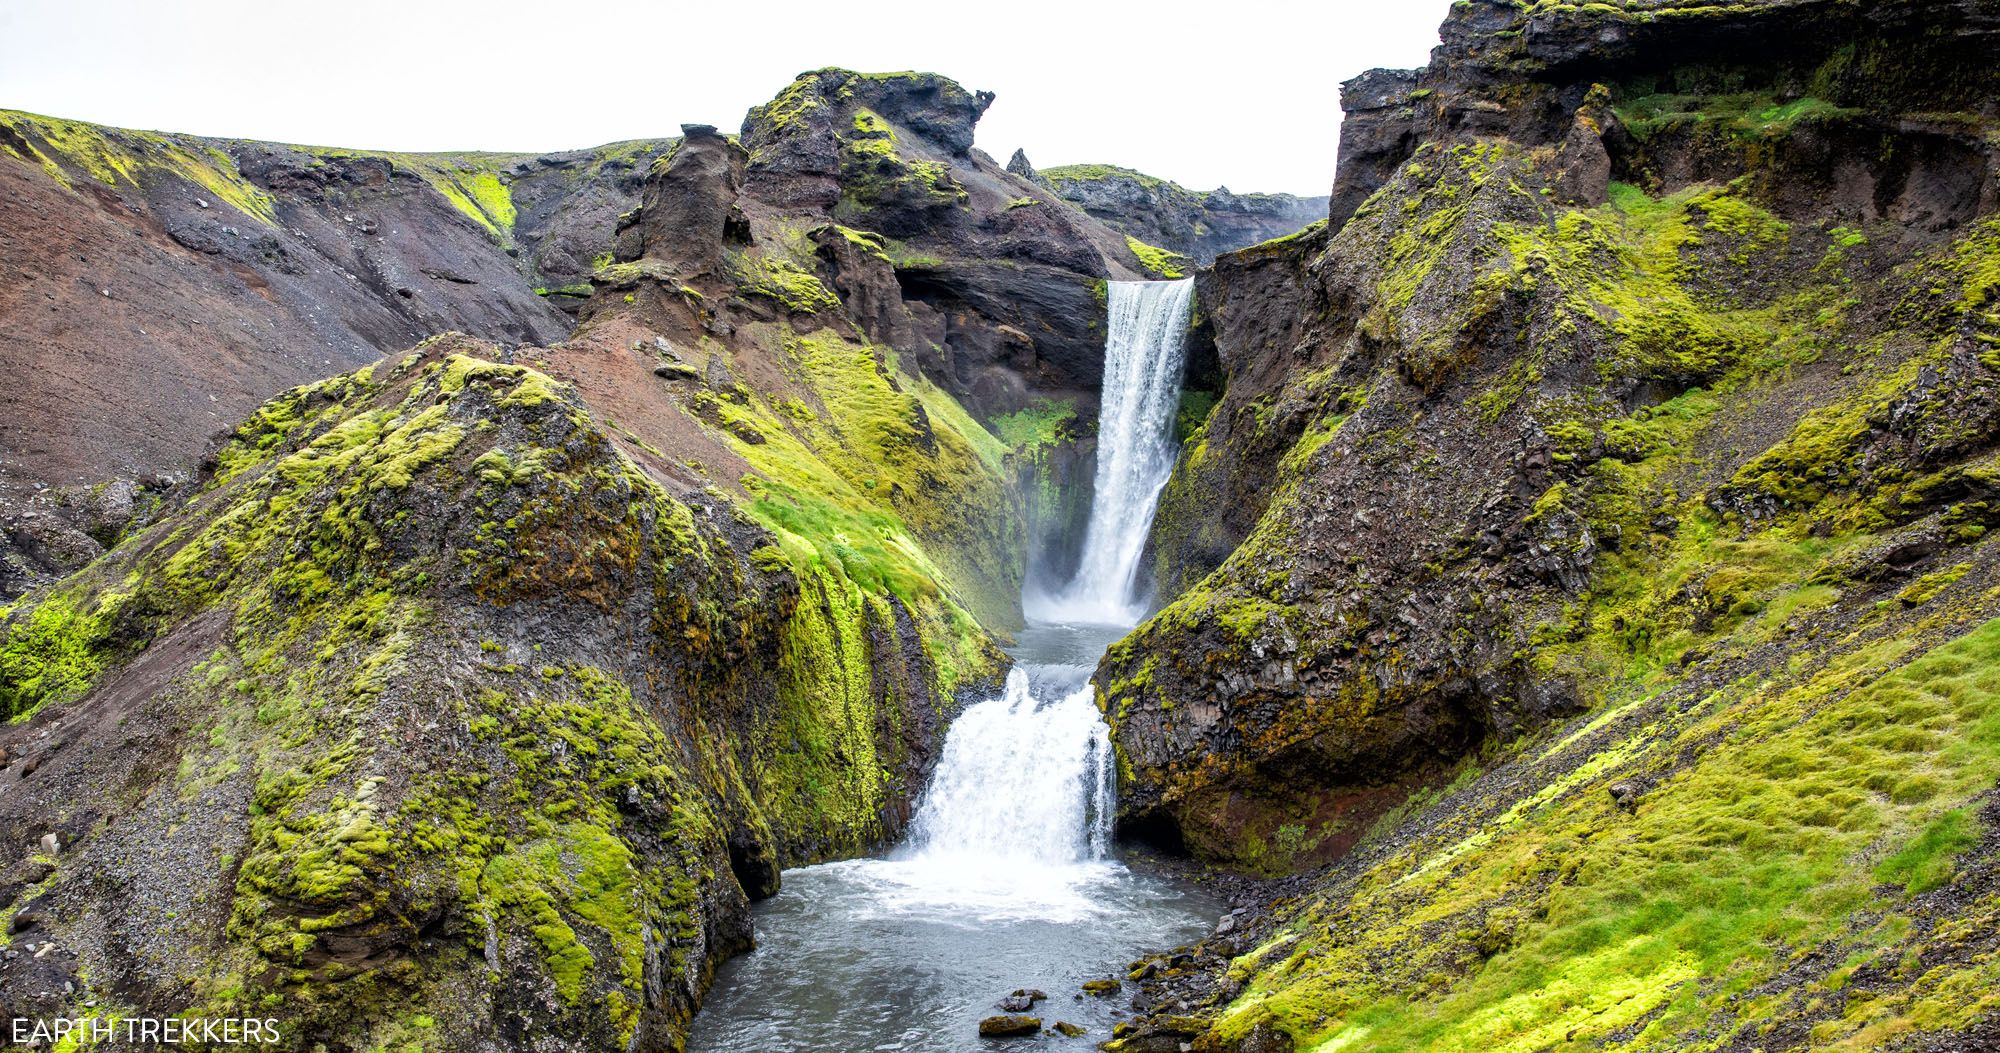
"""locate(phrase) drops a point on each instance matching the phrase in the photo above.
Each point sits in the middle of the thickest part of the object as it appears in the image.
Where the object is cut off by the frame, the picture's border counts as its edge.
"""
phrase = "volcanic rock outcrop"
(1610, 479)
(1163, 213)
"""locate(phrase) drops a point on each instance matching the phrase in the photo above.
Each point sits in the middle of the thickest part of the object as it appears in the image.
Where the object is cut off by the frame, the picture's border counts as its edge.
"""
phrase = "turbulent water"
(1144, 358)
(1050, 763)
(1009, 878)
(1006, 883)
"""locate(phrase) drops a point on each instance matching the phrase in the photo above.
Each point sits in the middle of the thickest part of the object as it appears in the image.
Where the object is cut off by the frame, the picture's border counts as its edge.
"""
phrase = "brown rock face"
(1394, 507)
(163, 286)
(689, 209)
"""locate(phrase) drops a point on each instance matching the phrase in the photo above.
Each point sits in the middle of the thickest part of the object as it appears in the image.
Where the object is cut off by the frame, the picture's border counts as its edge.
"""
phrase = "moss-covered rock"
(1615, 605)
(451, 713)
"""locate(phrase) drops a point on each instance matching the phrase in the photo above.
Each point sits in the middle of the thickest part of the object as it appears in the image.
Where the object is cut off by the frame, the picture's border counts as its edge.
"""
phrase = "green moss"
(1927, 862)
(866, 241)
(1099, 173)
(1926, 588)
(476, 185)
(864, 482)
(1628, 265)
(1749, 116)
(1159, 261)
(1282, 242)
(115, 156)
(1655, 914)
(53, 652)
(1048, 422)
(368, 539)
(1195, 406)
(581, 873)
(578, 291)
(784, 281)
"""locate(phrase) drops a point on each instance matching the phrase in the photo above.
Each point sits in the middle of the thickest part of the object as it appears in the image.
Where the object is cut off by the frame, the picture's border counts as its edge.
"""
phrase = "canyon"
(1535, 597)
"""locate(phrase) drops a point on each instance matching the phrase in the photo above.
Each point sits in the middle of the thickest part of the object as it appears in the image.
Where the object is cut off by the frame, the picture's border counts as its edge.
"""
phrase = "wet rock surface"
(1012, 1026)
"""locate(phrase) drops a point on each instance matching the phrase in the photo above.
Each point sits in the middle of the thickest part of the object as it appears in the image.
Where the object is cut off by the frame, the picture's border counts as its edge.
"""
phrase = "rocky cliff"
(1162, 213)
(466, 699)
(1600, 583)
(180, 281)
(165, 285)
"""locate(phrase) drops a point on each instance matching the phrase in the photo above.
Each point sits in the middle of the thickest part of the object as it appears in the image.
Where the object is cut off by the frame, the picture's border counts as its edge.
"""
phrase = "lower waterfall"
(1051, 764)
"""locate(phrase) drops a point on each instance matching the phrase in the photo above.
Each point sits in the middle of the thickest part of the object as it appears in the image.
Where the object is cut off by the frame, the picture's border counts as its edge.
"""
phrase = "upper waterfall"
(1145, 354)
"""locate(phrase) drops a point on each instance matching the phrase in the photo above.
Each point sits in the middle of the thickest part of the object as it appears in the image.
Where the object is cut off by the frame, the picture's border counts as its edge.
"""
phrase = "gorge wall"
(1163, 213)
(1587, 558)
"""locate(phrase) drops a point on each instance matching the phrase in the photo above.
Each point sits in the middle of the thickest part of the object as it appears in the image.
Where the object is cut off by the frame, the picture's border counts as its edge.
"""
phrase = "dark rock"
(1018, 165)
(1069, 1030)
(1377, 134)
(690, 204)
(1165, 214)
(1265, 1038)
(1102, 988)
(1012, 1026)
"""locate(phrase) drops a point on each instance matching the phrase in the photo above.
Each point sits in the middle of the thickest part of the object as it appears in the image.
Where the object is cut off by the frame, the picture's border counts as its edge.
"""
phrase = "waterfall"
(1144, 356)
(1022, 780)
(1017, 819)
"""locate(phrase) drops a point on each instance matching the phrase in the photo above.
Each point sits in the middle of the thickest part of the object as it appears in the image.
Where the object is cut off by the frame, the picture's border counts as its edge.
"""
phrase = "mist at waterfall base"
(1009, 877)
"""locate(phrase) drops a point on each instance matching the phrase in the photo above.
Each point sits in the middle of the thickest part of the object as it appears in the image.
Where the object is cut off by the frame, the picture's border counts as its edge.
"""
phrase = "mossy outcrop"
(1605, 590)
(436, 718)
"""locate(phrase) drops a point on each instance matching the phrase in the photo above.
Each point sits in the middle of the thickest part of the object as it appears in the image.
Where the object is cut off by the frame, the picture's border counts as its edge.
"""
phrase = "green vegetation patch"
(115, 156)
(1161, 262)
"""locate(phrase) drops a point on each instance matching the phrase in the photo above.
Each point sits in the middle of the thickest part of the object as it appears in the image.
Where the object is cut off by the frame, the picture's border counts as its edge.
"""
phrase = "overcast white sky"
(1242, 93)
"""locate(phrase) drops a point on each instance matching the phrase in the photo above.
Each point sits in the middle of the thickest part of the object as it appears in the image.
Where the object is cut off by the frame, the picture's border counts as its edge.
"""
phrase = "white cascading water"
(1022, 780)
(1016, 822)
(1144, 357)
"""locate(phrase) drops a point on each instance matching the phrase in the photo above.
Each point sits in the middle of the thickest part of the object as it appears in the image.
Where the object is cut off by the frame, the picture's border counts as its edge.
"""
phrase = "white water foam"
(1016, 823)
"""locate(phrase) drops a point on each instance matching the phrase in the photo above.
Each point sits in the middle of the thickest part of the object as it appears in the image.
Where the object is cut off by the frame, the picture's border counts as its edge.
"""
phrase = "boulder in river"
(1010, 1026)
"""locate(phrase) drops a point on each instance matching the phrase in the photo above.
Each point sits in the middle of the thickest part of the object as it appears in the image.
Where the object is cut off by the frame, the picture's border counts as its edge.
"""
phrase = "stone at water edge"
(1009, 1026)
(1069, 1030)
(1102, 988)
(1021, 1001)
